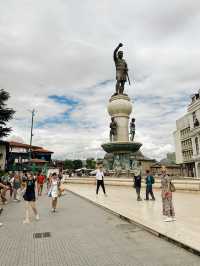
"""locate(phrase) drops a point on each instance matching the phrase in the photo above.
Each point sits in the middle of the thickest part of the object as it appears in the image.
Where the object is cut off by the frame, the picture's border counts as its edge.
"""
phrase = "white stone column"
(120, 108)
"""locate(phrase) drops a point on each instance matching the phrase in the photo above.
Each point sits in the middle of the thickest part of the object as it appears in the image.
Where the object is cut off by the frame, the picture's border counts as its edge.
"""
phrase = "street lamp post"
(31, 136)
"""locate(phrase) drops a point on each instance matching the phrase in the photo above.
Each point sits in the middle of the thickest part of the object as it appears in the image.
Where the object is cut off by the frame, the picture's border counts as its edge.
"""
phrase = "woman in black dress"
(29, 197)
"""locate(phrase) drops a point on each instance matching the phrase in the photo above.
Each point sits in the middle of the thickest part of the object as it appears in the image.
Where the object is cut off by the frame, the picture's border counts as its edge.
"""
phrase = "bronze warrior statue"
(121, 70)
(132, 129)
(113, 129)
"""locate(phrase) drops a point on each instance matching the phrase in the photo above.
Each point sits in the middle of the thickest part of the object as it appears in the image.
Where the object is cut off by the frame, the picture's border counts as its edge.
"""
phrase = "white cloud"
(65, 47)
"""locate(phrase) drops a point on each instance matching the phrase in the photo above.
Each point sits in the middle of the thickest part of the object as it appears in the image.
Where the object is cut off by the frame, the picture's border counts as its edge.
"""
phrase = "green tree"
(77, 164)
(68, 164)
(90, 163)
(5, 114)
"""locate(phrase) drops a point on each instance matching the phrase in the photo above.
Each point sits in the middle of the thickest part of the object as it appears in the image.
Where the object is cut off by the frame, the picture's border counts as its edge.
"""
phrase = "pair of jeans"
(149, 190)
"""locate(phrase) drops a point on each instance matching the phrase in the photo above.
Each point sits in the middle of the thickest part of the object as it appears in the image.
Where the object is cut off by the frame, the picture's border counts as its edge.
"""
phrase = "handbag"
(49, 193)
(168, 195)
(172, 187)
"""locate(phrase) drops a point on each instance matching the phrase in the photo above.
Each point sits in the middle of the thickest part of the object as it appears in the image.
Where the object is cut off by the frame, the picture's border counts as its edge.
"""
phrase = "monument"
(120, 150)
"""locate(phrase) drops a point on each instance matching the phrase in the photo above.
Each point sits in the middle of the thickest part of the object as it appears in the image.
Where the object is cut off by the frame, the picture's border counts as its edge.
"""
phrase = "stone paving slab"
(122, 201)
(82, 235)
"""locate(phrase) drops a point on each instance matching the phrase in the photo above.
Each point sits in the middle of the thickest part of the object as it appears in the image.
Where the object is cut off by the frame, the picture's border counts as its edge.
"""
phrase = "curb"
(129, 184)
(140, 225)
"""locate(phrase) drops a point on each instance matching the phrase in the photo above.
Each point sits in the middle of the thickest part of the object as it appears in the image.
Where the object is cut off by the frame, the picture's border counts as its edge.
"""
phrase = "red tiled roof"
(41, 150)
(21, 145)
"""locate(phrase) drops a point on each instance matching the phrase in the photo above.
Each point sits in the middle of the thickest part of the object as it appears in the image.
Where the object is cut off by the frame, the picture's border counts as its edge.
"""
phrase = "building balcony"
(188, 160)
(187, 148)
(185, 136)
(194, 131)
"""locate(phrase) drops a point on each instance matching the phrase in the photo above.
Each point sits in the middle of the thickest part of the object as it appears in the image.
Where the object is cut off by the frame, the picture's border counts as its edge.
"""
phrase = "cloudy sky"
(56, 57)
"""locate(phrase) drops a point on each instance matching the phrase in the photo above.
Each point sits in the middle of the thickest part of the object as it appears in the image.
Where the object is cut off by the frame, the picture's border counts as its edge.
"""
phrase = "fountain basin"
(121, 147)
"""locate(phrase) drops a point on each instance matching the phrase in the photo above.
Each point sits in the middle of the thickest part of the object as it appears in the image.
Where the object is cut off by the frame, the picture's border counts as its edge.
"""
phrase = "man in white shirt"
(99, 179)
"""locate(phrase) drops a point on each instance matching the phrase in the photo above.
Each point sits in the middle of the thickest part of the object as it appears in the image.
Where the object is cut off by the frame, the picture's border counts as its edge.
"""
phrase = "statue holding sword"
(121, 70)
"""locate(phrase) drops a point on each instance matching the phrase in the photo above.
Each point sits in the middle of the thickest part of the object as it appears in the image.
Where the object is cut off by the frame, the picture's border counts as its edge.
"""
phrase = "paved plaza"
(82, 234)
(122, 200)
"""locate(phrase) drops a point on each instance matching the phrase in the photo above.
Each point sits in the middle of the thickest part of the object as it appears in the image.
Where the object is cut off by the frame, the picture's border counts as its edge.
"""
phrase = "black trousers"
(149, 190)
(138, 192)
(100, 183)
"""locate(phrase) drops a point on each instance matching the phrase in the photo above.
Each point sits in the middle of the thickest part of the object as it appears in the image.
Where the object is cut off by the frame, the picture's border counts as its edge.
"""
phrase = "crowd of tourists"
(167, 188)
(28, 187)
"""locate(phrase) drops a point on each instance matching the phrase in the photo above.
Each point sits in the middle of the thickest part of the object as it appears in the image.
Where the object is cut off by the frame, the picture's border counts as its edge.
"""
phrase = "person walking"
(3, 190)
(2, 187)
(60, 175)
(99, 179)
(6, 181)
(24, 177)
(54, 191)
(166, 194)
(16, 187)
(9, 184)
(30, 198)
(48, 182)
(40, 183)
(149, 185)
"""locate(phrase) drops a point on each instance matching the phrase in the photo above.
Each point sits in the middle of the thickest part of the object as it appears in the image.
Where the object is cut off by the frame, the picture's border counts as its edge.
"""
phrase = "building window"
(194, 116)
(184, 132)
(195, 120)
(197, 145)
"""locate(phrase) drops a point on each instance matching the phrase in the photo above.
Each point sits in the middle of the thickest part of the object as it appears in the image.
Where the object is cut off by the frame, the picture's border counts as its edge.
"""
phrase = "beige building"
(172, 169)
(187, 138)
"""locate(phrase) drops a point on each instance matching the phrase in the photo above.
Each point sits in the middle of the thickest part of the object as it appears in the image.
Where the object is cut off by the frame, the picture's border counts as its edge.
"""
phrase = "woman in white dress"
(54, 190)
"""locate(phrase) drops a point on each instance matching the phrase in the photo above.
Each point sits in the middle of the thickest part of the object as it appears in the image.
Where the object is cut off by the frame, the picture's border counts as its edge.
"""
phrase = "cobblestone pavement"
(82, 235)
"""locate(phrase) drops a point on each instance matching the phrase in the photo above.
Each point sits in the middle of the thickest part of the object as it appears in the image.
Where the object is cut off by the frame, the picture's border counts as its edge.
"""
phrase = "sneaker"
(15, 200)
(26, 222)
(168, 219)
(1, 224)
(37, 217)
(173, 219)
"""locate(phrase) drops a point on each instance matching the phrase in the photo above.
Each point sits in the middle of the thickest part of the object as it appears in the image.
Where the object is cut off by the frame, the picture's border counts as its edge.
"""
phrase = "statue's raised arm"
(116, 50)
